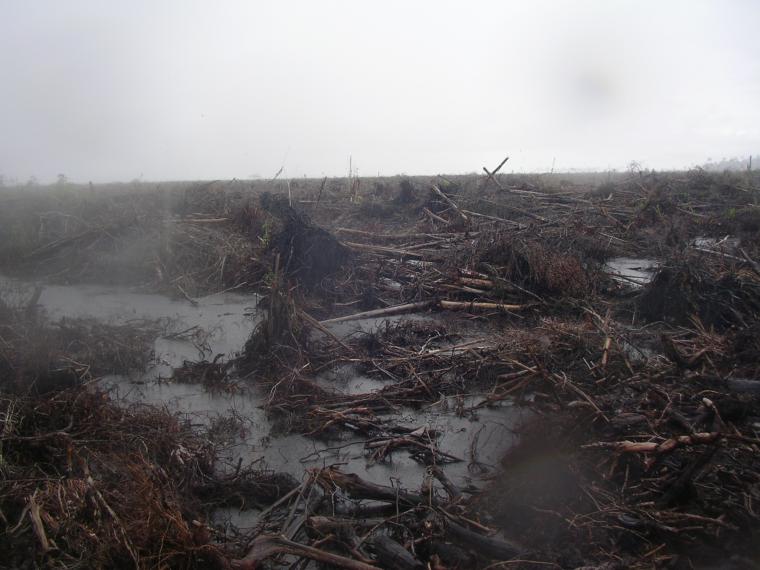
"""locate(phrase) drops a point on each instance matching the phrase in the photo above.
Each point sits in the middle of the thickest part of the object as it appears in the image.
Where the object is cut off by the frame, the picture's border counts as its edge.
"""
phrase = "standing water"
(224, 322)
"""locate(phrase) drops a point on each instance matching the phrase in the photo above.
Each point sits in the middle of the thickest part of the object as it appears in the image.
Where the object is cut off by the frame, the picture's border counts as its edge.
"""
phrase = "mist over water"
(198, 90)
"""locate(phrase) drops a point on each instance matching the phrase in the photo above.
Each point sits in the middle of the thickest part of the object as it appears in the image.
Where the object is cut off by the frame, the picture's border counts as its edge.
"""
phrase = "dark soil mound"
(307, 252)
(682, 291)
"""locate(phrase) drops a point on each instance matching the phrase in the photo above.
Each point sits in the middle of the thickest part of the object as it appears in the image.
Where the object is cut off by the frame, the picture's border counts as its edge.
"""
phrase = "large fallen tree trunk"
(358, 488)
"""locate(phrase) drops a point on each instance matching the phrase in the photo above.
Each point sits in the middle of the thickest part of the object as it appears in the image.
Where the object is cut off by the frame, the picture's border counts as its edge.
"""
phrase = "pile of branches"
(339, 519)
(647, 445)
(39, 356)
(93, 482)
(89, 482)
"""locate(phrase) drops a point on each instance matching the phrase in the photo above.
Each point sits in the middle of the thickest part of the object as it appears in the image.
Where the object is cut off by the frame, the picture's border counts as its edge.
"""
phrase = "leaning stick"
(386, 312)
(491, 177)
(494, 218)
(449, 201)
(435, 217)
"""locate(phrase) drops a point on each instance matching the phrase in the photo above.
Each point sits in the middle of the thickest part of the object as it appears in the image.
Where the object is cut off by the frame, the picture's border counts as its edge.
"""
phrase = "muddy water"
(224, 322)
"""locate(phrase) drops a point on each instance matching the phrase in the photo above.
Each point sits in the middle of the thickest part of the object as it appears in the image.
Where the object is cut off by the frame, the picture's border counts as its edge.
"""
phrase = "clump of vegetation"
(405, 193)
(83, 476)
(684, 290)
(535, 266)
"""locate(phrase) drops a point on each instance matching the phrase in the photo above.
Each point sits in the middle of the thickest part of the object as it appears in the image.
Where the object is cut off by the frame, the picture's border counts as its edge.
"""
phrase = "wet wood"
(386, 312)
(450, 203)
(267, 545)
(390, 554)
(493, 547)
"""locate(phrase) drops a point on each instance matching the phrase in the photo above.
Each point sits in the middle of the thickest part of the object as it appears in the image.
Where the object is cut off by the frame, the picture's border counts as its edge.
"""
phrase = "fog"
(204, 90)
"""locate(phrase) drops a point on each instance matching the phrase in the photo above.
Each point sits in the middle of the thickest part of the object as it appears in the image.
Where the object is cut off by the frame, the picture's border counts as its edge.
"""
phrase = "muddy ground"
(447, 372)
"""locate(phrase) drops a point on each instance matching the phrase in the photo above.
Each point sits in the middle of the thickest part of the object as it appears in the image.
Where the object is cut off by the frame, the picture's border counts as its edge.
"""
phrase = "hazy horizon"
(202, 91)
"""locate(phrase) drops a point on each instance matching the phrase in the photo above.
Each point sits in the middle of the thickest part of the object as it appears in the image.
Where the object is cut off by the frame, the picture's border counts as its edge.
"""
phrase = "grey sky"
(220, 89)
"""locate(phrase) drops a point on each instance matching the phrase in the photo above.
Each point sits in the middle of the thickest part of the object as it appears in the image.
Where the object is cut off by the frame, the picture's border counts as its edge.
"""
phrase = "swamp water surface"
(631, 271)
(224, 322)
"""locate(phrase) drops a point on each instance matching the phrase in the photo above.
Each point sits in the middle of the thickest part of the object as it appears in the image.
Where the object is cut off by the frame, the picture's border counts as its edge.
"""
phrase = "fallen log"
(472, 305)
(383, 250)
(326, 525)
(447, 483)
(390, 554)
(199, 221)
(743, 385)
(484, 283)
(493, 218)
(268, 545)
(399, 236)
(386, 312)
(358, 488)
(319, 326)
(492, 547)
(435, 217)
(412, 307)
(653, 447)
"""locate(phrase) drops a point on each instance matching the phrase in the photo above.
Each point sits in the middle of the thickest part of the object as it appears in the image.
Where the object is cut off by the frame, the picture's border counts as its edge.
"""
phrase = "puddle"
(345, 379)
(488, 429)
(634, 272)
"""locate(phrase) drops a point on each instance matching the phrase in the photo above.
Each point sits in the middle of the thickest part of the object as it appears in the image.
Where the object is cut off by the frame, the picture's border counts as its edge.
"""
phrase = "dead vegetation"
(90, 482)
(643, 448)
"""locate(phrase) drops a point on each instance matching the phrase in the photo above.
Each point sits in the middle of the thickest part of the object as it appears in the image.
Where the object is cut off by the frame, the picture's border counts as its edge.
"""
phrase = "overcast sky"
(220, 89)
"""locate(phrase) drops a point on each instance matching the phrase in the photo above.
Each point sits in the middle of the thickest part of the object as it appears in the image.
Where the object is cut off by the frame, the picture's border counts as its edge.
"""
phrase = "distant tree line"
(732, 164)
